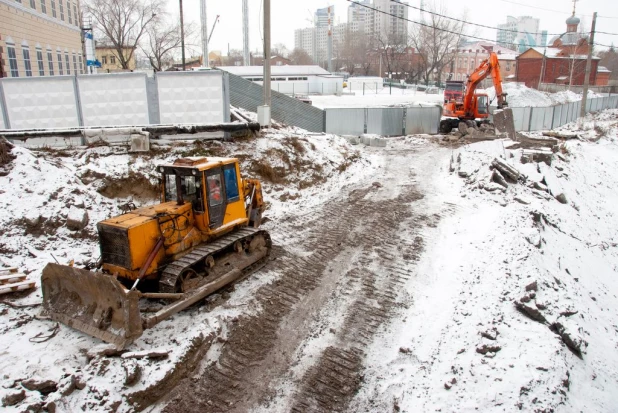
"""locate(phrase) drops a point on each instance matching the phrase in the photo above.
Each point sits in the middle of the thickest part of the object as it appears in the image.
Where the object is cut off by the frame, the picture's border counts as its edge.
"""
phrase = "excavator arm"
(487, 67)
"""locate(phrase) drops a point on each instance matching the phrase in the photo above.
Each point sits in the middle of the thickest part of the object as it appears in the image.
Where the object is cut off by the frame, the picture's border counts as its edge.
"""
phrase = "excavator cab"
(482, 106)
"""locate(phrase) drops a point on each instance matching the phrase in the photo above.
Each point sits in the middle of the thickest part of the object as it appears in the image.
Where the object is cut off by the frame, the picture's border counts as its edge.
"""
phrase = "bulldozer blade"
(94, 303)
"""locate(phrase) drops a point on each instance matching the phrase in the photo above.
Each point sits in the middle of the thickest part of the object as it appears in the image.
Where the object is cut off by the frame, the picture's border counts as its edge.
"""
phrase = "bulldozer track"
(230, 383)
(169, 277)
(240, 379)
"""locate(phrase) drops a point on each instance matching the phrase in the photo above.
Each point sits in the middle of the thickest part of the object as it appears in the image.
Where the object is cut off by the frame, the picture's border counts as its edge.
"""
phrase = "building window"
(43, 7)
(74, 63)
(50, 62)
(10, 49)
(19, 1)
(75, 14)
(27, 65)
(112, 60)
(53, 7)
(103, 60)
(60, 72)
(39, 60)
(61, 10)
(69, 12)
(66, 60)
(81, 65)
(33, 4)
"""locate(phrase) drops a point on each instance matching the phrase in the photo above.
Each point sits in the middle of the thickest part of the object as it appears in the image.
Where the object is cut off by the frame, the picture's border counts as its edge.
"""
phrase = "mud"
(6, 157)
(361, 256)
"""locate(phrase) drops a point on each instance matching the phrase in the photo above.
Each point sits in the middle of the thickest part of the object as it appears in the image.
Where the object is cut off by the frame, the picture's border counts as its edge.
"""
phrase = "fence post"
(5, 109)
(530, 119)
(78, 105)
(363, 88)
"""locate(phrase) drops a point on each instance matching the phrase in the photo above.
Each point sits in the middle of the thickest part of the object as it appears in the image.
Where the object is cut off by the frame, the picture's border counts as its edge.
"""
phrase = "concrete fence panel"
(519, 118)
(345, 121)
(564, 113)
(41, 102)
(3, 125)
(385, 121)
(548, 115)
(192, 97)
(537, 117)
(113, 99)
(423, 120)
(557, 114)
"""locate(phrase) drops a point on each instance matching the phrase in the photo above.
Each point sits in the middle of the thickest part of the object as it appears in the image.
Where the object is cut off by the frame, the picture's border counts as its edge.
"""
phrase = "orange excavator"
(475, 105)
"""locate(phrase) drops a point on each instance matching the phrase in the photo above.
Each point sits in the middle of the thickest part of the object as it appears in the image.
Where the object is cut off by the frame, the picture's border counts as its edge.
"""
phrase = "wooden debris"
(11, 280)
(558, 135)
(506, 169)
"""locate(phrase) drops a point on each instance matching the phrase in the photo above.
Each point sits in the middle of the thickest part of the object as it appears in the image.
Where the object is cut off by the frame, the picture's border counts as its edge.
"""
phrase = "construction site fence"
(383, 121)
(550, 117)
(118, 99)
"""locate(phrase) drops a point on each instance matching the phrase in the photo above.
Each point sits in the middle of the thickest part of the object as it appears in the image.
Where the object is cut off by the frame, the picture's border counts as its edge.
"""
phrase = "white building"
(292, 80)
(521, 33)
(385, 27)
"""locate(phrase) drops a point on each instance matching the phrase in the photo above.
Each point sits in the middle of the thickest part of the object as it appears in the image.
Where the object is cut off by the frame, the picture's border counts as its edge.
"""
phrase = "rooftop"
(275, 70)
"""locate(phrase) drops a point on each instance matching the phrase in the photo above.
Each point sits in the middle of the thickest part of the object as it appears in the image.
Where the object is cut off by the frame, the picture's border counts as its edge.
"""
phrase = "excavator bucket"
(94, 303)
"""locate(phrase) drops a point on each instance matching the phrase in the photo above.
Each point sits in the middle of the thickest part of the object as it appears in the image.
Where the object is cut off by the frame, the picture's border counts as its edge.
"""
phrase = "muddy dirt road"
(339, 271)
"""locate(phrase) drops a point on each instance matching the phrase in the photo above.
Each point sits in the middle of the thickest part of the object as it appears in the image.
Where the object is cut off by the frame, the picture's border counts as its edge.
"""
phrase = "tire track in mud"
(236, 381)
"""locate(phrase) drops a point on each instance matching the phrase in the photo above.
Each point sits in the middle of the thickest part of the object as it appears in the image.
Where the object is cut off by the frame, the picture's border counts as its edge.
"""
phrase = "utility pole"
(582, 112)
(329, 44)
(264, 110)
(245, 33)
(182, 37)
(205, 62)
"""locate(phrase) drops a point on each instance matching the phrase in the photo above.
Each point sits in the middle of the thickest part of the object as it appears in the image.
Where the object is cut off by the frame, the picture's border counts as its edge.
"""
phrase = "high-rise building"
(520, 33)
(322, 16)
(40, 38)
(392, 23)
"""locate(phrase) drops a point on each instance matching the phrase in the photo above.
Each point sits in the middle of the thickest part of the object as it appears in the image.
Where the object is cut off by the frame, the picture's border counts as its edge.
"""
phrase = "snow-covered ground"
(521, 96)
(458, 344)
(383, 98)
(463, 345)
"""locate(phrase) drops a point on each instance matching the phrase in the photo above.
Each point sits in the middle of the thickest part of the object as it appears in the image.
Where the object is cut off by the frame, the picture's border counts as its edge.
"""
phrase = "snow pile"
(518, 307)
(520, 96)
(49, 205)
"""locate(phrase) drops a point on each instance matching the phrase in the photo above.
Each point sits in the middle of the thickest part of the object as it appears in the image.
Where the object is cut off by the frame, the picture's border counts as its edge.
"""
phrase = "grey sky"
(288, 15)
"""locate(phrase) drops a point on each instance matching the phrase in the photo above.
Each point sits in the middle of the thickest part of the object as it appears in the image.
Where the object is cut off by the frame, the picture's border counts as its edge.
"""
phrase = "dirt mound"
(5, 156)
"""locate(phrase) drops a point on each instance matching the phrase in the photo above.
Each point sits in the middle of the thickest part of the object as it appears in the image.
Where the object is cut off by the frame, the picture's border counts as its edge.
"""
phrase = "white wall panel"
(41, 102)
(191, 97)
(114, 99)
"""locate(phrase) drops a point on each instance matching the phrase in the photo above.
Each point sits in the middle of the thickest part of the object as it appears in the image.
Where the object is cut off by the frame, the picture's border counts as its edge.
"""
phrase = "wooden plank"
(9, 270)
(8, 288)
(5, 279)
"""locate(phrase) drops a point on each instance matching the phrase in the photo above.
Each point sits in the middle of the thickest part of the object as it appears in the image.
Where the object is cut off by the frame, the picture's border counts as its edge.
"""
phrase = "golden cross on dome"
(574, 1)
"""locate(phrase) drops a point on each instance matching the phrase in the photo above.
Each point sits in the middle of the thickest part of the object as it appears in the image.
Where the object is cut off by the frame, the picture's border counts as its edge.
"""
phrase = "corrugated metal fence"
(249, 95)
(544, 118)
(383, 121)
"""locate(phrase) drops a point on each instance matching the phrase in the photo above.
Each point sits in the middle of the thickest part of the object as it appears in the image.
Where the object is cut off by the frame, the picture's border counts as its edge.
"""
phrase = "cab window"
(215, 192)
(231, 184)
(482, 104)
(190, 187)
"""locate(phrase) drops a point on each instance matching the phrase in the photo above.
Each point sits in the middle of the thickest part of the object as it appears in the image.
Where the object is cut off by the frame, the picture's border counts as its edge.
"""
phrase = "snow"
(519, 96)
(383, 98)
(480, 263)
(486, 249)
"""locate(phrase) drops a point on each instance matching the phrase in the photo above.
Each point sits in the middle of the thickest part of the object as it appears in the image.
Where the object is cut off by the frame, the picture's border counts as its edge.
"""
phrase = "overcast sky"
(288, 15)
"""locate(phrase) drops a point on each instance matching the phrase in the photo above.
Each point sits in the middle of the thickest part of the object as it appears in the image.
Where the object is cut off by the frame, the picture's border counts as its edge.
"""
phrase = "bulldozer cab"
(211, 186)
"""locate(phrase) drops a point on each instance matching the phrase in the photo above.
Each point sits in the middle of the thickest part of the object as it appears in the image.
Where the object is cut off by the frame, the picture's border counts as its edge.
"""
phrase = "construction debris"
(11, 280)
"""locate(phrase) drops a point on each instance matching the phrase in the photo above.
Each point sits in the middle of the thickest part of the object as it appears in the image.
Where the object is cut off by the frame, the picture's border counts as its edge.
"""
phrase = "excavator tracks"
(170, 276)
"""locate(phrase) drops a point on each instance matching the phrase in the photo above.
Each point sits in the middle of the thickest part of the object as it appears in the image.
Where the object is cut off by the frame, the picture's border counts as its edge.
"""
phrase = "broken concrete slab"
(151, 354)
(77, 218)
(504, 123)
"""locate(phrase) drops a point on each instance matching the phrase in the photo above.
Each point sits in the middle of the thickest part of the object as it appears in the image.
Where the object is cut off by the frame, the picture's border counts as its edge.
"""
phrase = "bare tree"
(123, 23)
(609, 59)
(436, 41)
(300, 57)
(161, 41)
(279, 49)
(234, 58)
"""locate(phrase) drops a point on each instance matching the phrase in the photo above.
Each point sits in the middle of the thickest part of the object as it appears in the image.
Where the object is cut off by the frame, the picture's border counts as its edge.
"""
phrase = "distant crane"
(213, 28)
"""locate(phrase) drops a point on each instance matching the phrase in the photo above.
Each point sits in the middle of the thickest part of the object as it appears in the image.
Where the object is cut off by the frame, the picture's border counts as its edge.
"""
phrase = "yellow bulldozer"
(203, 236)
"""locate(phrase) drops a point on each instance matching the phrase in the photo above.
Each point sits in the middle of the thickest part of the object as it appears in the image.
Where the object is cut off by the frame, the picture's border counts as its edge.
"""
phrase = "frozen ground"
(403, 279)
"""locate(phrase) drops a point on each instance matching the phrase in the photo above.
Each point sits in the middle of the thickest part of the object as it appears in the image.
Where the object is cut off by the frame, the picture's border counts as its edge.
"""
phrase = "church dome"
(572, 20)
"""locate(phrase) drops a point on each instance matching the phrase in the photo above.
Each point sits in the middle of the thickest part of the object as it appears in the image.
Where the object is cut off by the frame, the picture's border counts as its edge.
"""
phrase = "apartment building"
(40, 38)
(521, 33)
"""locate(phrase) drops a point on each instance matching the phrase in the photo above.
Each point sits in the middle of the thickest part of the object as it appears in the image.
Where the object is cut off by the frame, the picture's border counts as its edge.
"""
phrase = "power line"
(482, 25)
(555, 11)
(432, 27)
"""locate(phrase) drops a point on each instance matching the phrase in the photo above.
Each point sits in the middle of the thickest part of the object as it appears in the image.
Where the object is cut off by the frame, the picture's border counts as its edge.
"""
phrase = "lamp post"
(182, 37)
